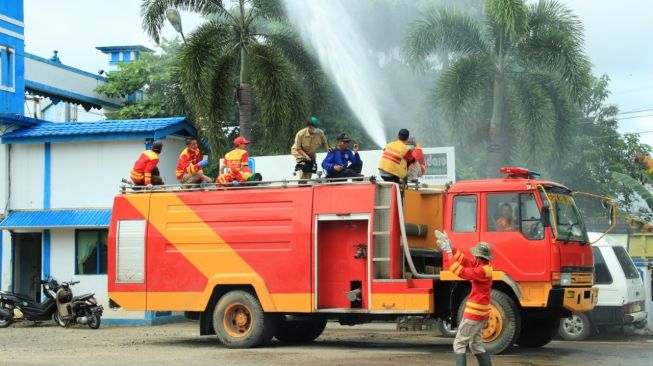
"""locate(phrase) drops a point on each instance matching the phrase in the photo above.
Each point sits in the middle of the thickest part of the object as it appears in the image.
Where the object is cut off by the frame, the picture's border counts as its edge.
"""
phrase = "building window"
(91, 251)
(7, 68)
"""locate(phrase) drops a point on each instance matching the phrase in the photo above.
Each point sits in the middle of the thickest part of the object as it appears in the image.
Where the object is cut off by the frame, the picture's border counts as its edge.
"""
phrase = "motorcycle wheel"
(93, 321)
(4, 323)
(58, 320)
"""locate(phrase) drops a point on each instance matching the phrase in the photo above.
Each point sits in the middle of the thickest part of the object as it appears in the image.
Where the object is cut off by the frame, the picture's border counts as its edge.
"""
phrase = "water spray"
(328, 29)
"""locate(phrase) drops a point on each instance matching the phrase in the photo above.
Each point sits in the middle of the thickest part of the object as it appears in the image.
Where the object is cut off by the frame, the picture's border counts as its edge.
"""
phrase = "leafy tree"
(599, 155)
(245, 56)
(514, 78)
(152, 83)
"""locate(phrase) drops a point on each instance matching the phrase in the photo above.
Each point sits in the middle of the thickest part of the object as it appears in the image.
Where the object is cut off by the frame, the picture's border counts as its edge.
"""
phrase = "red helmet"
(240, 140)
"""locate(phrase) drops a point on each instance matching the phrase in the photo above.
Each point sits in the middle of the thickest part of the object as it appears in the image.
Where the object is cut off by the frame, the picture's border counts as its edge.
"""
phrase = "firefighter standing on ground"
(477, 308)
(307, 141)
(145, 171)
(235, 165)
(190, 164)
(395, 159)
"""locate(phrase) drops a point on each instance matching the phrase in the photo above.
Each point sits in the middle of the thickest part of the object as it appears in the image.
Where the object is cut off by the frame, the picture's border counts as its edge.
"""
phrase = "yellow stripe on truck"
(201, 246)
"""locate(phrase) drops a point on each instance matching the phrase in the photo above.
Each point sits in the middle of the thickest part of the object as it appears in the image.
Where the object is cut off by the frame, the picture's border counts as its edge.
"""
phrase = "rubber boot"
(483, 359)
(461, 359)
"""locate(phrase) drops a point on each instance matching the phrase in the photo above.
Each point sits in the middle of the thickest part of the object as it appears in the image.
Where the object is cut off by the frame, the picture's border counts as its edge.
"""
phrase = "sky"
(617, 41)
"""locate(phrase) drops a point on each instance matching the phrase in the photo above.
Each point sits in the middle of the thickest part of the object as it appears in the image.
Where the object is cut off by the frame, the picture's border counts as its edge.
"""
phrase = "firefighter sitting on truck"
(145, 171)
(235, 165)
(477, 308)
(190, 164)
(342, 162)
(395, 159)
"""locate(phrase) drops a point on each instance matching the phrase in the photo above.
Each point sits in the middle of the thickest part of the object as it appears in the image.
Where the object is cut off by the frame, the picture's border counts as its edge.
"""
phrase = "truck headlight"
(565, 279)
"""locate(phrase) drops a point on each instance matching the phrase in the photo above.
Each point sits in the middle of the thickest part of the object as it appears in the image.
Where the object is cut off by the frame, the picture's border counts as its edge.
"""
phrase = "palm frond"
(534, 118)
(443, 29)
(154, 12)
(208, 70)
(461, 88)
(509, 15)
(268, 9)
(555, 44)
(310, 75)
(281, 107)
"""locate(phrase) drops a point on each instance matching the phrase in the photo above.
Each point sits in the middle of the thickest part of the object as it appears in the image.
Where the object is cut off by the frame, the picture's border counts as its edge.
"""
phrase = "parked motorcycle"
(71, 309)
(18, 307)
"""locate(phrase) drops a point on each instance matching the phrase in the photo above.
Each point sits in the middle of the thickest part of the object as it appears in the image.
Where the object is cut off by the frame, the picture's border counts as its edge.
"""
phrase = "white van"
(621, 292)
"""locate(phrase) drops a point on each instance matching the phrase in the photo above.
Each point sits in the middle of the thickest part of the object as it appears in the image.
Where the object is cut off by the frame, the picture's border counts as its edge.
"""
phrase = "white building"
(58, 182)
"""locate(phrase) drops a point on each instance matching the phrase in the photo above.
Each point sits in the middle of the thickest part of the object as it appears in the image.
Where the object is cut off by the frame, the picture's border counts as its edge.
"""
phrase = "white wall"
(172, 147)
(62, 268)
(88, 174)
(26, 173)
(5, 274)
(4, 177)
(280, 167)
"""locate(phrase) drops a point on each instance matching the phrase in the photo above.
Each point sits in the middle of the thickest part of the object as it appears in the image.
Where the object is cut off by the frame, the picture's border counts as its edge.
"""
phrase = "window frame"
(11, 59)
(98, 251)
(520, 226)
(596, 250)
(476, 217)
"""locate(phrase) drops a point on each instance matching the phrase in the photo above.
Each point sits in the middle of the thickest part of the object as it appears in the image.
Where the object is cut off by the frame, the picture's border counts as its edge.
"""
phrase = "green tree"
(514, 77)
(153, 83)
(600, 156)
(245, 56)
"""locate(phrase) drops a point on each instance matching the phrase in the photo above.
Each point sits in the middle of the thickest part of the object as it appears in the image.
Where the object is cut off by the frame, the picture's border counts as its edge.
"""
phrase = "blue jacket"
(345, 158)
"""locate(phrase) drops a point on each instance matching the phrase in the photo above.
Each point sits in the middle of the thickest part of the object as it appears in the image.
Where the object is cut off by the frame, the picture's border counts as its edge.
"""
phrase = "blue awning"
(46, 219)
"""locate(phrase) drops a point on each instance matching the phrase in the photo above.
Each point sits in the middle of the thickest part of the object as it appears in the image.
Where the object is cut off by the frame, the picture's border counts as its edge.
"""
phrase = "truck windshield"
(568, 219)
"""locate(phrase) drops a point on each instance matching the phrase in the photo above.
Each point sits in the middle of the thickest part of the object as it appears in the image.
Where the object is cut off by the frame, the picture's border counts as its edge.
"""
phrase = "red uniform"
(478, 303)
(237, 162)
(141, 173)
(418, 155)
(187, 163)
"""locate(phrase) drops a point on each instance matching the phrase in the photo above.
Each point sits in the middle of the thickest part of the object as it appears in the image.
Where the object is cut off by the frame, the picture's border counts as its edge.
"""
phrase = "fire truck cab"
(279, 259)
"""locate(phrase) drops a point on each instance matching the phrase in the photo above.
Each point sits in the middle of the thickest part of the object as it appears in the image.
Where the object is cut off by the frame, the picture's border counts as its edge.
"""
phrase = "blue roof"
(154, 128)
(106, 49)
(18, 120)
(57, 218)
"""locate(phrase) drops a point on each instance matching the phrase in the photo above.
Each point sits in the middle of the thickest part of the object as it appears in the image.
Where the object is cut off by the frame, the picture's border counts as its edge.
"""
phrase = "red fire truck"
(279, 259)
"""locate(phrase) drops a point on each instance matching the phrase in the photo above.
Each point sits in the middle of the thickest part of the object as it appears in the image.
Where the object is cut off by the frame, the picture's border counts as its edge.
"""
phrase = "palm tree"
(246, 56)
(518, 73)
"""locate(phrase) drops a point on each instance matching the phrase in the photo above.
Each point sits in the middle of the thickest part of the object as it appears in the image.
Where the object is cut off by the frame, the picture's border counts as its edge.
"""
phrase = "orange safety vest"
(238, 160)
(393, 160)
(187, 162)
(142, 170)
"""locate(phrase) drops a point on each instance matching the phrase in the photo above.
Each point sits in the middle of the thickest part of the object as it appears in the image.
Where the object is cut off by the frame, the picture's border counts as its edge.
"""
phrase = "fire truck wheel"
(538, 332)
(302, 331)
(504, 325)
(239, 321)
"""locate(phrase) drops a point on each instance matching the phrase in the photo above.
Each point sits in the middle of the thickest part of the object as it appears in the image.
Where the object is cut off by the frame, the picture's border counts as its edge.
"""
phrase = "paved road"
(377, 345)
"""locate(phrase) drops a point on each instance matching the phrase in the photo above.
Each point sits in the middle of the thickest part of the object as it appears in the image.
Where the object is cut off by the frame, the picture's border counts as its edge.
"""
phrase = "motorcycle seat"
(83, 297)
